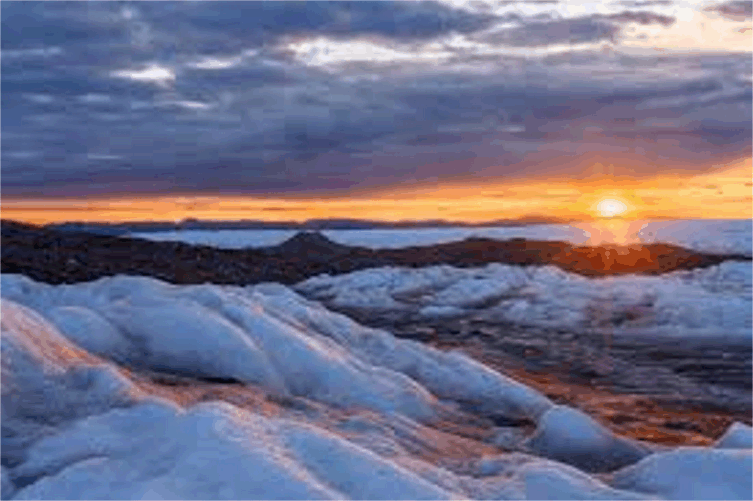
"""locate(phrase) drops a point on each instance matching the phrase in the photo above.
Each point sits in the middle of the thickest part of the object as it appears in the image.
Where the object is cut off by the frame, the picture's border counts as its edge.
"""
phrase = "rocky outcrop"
(56, 256)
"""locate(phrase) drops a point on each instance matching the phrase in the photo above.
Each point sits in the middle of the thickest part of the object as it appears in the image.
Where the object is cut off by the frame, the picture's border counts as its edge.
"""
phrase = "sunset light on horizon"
(715, 195)
(449, 110)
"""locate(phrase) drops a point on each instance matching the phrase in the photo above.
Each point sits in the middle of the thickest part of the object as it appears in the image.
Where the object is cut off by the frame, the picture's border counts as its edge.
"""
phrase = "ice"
(691, 473)
(135, 321)
(377, 239)
(713, 302)
(47, 381)
(357, 473)
(448, 375)
(78, 323)
(712, 236)
(79, 420)
(8, 489)
(475, 292)
(553, 481)
(572, 437)
(737, 436)
(522, 476)
(441, 311)
(227, 239)
(156, 451)
(169, 328)
(267, 335)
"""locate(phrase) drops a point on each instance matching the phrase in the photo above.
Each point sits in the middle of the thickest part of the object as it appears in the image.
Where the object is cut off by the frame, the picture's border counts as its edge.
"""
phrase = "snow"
(227, 239)
(737, 436)
(713, 302)
(155, 451)
(718, 236)
(8, 489)
(357, 473)
(346, 412)
(522, 476)
(266, 335)
(573, 437)
(712, 236)
(691, 473)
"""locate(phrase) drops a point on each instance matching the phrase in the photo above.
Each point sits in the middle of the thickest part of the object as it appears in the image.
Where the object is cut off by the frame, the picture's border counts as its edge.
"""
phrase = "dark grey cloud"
(547, 30)
(645, 3)
(736, 10)
(535, 34)
(207, 97)
(640, 17)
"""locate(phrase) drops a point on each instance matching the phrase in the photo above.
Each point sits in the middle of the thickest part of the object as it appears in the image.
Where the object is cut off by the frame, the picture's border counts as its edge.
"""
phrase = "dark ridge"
(309, 225)
(55, 256)
(310, 244)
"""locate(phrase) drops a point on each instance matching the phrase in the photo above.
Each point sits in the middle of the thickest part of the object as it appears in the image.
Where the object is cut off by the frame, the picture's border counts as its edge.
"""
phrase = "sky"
(476, 110)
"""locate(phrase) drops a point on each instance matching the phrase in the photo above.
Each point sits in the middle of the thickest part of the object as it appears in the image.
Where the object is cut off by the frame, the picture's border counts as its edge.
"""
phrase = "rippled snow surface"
(290, 401)
(714, 301)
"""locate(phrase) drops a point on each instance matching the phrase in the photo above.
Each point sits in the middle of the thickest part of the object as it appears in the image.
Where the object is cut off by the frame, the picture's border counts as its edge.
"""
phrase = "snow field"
(75, 426)
(713, 236)
(714, 301)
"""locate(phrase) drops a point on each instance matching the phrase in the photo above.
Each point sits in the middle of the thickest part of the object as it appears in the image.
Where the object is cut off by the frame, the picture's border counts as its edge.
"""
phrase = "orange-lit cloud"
(725, 193)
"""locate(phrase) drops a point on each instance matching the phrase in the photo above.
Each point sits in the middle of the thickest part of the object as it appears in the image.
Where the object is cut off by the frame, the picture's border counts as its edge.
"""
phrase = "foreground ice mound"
(270, 336)
(340, 411)
(714, 301)
(209, 452)
(48, 381)
(691, 473)
(574, 438)
(738, 436)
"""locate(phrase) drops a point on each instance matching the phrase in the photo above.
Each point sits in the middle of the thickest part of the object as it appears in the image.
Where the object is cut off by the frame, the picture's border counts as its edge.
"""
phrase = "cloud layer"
(262, 98)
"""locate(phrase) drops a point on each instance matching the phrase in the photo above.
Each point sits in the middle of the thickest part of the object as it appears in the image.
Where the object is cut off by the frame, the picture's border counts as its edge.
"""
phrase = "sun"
(610, 207)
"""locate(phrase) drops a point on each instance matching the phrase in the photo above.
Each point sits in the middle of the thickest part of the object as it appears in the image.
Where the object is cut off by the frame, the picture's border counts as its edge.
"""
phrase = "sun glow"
(610, 208)
(606, 205)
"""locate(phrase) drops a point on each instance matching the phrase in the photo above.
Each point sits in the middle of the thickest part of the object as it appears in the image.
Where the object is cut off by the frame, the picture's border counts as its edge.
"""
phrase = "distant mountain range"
(312, 224)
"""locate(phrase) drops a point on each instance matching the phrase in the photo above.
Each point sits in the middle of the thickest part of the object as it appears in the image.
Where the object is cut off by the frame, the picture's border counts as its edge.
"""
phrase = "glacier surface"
(711, 302)
(345, 411)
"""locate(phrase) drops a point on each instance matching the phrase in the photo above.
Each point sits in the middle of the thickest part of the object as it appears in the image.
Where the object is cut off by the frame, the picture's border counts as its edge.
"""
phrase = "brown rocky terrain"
(55, 256)
(642, 389)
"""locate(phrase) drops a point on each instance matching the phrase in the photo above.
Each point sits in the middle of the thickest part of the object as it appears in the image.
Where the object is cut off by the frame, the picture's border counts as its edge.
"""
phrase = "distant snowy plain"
(712, 302)
(324, 408)
(721, 236)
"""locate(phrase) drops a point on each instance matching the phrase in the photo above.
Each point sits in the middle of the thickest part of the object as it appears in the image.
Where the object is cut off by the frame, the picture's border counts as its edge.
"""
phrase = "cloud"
(640, 17)
(737, 11)
(226, 96)
(569, 31)
(214, 63)
(153, 73)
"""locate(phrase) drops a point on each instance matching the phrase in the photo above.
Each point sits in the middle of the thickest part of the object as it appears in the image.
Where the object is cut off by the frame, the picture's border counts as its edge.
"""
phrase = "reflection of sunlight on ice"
(611, 231)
